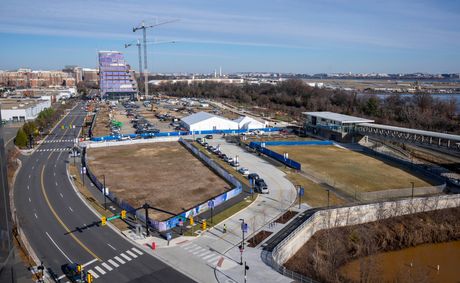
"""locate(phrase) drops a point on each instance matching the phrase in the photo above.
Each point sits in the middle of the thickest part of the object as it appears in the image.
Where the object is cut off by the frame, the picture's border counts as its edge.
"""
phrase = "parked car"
(235, 163)
(209, 137)
(229, 160)
(253, 176)
(199, 140)
(244, 171)
(260, 186)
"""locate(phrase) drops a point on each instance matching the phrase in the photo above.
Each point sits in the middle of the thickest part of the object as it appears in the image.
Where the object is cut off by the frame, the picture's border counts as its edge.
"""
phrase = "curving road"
(60, 228)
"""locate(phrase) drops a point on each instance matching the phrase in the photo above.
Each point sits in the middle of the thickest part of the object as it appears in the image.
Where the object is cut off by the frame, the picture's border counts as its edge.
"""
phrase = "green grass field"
(349, 170)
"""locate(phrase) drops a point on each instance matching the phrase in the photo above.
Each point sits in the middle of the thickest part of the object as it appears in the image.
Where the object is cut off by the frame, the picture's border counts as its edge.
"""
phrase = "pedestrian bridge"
(407, 135)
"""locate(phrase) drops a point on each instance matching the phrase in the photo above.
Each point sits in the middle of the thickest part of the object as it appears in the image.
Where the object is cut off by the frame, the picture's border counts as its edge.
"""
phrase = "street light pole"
(242, 241)
(103, 191)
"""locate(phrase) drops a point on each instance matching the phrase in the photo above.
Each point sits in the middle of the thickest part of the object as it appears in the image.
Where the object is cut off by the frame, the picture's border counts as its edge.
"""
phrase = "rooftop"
(199, 117)
(18, 103)
(344, 119)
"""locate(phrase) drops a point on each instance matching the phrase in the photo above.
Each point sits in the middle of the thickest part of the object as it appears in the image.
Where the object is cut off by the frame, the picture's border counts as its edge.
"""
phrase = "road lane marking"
(27, 187)
(111, 246)
(137, 251)
(56, 184)
(125, 256)
(29, 176)
(131, 253)
(112, 262)
(213, 258)
(119, 260)
(93, 273)
(89, 262)
(100, 270)
(54, 173)
(33, 167)
(60, 220)
(35, 215)
(61, 195)
(108, 267)
(58, 247)
(70, 209)
(30, 200)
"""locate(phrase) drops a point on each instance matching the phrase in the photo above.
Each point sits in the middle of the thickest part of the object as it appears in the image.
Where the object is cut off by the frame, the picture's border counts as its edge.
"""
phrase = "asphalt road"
(61, 229)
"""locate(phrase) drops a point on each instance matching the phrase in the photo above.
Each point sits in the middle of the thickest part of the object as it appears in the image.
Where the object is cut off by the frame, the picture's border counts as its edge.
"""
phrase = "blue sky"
(302, 36)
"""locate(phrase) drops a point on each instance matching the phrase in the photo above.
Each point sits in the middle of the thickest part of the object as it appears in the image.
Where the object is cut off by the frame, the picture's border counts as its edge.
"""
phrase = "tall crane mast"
(138, 44)
(144, 28)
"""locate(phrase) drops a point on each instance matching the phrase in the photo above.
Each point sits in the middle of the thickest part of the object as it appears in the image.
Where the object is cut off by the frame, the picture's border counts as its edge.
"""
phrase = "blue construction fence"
(261, 147)
(194, 211)
(180, 133)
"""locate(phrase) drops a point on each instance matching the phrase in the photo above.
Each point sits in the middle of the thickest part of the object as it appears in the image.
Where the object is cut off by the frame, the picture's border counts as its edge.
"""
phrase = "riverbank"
(328, 250)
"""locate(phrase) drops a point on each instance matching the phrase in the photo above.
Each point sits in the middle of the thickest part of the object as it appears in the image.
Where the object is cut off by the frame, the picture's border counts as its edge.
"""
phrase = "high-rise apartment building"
(116, 79)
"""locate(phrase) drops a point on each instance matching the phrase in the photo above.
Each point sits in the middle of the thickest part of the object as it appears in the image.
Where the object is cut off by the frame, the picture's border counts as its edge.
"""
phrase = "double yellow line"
(60, 220)
(56, 215)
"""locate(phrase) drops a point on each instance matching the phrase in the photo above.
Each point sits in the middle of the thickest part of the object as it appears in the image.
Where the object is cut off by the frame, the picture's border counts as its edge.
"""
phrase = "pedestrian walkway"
(52, 149)
(103, 268)
(56, 141)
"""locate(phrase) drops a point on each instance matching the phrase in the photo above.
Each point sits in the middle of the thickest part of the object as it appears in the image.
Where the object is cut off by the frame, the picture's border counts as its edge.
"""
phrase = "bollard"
(154, 245)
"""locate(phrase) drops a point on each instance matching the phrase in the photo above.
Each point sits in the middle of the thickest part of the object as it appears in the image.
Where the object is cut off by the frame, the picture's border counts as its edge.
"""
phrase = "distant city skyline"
(294, 36)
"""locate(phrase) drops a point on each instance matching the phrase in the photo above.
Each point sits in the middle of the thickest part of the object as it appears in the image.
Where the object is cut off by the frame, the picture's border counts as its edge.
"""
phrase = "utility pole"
(144, 28)
(104, 192)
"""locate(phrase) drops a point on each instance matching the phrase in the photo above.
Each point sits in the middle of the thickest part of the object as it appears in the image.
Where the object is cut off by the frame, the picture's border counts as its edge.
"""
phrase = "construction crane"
(138, 44)
(144, 28)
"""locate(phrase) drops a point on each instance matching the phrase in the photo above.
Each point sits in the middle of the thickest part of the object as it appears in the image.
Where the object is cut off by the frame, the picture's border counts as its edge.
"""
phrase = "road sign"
(181, 223)
(301, 191)
(123, 214)
(244, 227)
(211, 204)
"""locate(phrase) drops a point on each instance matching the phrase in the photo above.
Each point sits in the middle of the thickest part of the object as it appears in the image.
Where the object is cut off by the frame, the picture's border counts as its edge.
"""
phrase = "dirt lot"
(165, 175)
(348, 170)
(101, 128)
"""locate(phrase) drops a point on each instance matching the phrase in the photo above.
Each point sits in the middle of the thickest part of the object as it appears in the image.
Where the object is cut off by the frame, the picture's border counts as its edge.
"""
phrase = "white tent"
(245, 122)
(203, 121)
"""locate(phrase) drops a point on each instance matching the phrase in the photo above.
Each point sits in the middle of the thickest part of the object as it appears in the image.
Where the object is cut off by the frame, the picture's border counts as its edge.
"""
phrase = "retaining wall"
(344, 216)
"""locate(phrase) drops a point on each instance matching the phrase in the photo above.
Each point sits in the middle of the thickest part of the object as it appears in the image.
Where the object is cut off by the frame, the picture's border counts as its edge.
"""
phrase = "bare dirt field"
(349, 170)
(165, 175)
(101, 128)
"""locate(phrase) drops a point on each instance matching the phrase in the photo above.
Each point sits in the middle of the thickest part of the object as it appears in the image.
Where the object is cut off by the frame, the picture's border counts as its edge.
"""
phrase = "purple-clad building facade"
(116, 79)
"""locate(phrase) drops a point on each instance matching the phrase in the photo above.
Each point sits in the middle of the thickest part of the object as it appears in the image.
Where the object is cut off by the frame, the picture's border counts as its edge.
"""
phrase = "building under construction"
(116, 79)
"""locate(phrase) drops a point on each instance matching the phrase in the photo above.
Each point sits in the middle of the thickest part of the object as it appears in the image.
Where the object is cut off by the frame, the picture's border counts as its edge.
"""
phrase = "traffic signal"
(123, 214)
(192, 222)
(203, 225)
(89, 277)
(103, 220)
(79, 268)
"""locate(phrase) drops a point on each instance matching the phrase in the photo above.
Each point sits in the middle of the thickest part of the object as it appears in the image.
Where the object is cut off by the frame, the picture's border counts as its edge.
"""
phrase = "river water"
(424, 259)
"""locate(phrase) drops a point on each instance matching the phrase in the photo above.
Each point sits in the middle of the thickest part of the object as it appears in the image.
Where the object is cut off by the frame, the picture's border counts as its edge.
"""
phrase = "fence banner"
(178, 133)
(281, 158)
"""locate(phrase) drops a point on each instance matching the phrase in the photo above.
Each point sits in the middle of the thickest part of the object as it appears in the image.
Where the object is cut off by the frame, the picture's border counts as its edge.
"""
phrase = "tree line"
(292, 97)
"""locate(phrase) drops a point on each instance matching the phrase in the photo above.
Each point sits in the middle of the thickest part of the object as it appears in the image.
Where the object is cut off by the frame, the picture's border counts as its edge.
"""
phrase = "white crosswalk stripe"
(101, 271)
(208, 256)
(214, 258)
(93, 273)
(131, 253)
(137, 251)
(112, 262)
(119, 260)
(108, 267)
(126, 257)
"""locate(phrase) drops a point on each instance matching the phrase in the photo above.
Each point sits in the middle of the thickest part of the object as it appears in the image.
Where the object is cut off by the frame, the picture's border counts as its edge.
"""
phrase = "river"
(424, 259)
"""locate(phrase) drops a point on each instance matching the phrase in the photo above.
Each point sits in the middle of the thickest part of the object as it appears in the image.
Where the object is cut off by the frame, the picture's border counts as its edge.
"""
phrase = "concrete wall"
(353, 215)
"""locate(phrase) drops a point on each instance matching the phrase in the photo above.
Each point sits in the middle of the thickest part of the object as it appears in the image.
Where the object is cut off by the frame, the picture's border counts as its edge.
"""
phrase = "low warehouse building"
(203, 121)
(23, 109)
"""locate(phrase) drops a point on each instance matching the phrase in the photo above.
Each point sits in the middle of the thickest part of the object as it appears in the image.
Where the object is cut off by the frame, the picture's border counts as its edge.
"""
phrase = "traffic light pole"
(146, 207)
(104, 192)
